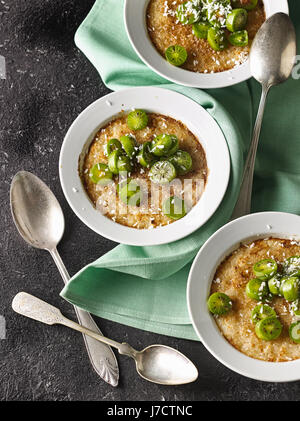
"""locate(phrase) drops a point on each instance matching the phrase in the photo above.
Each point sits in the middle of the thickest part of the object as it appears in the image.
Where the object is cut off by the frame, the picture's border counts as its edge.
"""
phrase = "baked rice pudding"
(255, 299)
(144, 170)
(205, 36)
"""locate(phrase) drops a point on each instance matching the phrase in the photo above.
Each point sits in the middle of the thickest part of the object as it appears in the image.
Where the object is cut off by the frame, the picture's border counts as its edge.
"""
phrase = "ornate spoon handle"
(243, 204)
(101, 355)
(30, 306)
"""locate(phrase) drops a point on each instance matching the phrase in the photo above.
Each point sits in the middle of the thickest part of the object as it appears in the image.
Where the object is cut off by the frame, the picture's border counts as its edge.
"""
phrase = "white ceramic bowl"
(135, 23)
(217, 247)
(151, 99)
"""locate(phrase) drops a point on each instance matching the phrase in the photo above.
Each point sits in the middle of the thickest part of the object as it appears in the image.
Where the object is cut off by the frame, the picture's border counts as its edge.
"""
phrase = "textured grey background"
(48, 83)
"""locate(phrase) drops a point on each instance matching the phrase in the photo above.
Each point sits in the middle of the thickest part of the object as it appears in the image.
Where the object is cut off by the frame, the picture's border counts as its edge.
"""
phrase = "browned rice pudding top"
(144, 216)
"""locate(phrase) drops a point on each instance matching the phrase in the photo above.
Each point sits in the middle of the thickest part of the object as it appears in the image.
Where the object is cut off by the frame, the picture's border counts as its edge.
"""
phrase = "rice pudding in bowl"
(228, 66)
(182, 160)
(201, 151)
(272, 293)
(200, 27)
(252, 283)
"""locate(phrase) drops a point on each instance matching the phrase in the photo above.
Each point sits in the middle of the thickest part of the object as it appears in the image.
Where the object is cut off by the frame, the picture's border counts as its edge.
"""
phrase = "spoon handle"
(37, 309)
(243, 204)
(101, 356)
(60, 265)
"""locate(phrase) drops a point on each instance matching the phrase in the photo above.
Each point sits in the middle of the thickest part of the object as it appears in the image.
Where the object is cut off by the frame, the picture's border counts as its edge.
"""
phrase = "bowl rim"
(223, 242)
(163, 101)
(134, 19)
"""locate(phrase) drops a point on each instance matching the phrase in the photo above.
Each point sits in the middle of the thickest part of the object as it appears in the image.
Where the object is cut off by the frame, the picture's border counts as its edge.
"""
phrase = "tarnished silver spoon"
(156, 363)
(40, 221)
(272, 58)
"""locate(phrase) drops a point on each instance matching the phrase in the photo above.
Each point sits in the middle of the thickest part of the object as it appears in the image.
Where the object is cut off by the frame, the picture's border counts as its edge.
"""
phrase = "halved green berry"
(124, 164)
(113, 161)
(294, 332)
(265, 269)
(290, 288)
(274, 284)
(119, 163)
(174, 207)
(200, 29)
(216, 39)
(175, 145)
(219, 303)
(131, 193)
(137, 120)
(122, 183)
(112, 145)
(162, 172)
(128, 144)
(182, 161)
(261, 311)
(187, 13)
(257, 289)
(100, 174)
(236, 20)
(239, 38)
(145, 157)
(176, 55)
(161, 144)
(268, 328)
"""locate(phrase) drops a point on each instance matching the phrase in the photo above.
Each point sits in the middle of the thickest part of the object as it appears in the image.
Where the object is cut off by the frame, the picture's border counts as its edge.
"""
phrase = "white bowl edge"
(134, 18)
(165, 102)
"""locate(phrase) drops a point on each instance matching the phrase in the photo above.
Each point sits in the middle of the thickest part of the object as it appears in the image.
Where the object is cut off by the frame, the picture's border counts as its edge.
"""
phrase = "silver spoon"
(156, 363)
(40, 221)
(272, 58)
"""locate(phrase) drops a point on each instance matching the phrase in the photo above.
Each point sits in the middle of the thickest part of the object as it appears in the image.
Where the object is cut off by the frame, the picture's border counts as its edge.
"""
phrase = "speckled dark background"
(48, 83)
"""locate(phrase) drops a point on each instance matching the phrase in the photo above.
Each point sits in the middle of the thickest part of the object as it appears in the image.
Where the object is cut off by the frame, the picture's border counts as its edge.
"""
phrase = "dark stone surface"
(48, 83)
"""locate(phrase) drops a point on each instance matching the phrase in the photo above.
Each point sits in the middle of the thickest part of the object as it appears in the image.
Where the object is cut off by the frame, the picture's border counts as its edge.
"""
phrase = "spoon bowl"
(40, 221)
(273, 50)
(164, 365)
(36, 211)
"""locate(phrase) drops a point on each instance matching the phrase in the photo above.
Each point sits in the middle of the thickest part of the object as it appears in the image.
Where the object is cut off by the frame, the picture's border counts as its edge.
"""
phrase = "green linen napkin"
(145, 287)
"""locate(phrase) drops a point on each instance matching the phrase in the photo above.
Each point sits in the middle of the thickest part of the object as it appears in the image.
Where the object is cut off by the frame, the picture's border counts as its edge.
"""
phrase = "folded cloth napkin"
(145, 287)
